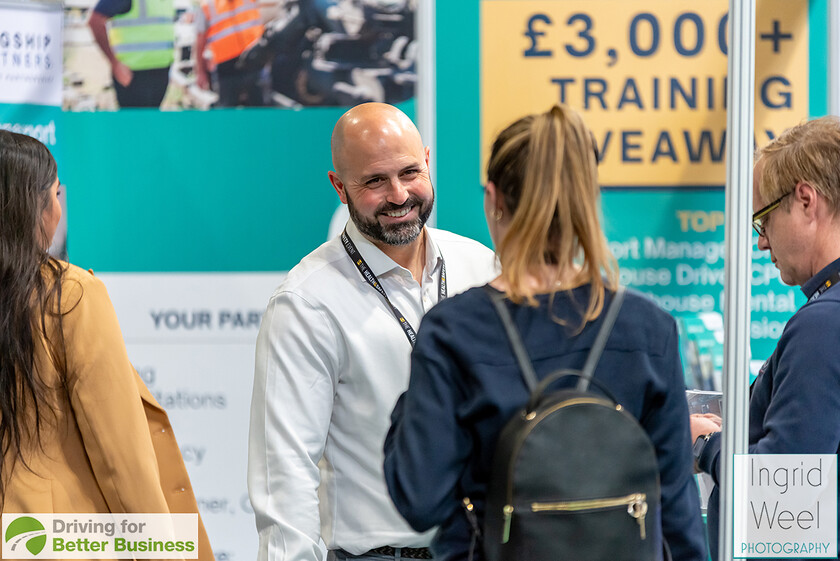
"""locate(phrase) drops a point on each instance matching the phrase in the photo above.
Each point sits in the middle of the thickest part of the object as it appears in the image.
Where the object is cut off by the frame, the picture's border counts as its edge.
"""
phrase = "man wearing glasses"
(795, 400)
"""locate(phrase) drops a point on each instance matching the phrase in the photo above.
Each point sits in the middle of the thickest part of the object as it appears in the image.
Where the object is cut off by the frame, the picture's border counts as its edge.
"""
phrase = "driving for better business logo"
(94, 535)
(27, 532)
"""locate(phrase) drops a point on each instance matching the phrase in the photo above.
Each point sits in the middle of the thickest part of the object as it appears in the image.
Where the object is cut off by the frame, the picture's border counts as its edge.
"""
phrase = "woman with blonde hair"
(558, 276)
(80, 432)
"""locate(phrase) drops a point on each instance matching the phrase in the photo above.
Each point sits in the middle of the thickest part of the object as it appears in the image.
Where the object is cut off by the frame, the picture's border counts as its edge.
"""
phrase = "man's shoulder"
(446, 239)
(460, 249)
(815, 323)
(819, 313)
(317, 275)
(468, 262)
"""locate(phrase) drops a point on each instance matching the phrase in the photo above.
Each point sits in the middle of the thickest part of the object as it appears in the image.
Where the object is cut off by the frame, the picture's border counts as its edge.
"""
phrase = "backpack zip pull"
(476, 530)
(471, 517)
(508, 516)
(638, 509)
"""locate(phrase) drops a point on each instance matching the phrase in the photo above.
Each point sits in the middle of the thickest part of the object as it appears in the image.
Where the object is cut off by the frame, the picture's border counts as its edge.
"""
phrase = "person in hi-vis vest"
(226, 29)
(138, 39)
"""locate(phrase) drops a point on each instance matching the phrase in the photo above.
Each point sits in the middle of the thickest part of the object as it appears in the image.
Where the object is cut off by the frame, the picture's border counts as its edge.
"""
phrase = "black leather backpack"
(574, 476)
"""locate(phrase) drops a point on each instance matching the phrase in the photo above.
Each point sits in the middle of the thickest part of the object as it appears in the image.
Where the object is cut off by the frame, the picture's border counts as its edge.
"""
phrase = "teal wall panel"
(222, 190)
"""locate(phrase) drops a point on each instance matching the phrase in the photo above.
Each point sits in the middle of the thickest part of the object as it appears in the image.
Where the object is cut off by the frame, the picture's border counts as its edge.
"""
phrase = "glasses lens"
(760, 218)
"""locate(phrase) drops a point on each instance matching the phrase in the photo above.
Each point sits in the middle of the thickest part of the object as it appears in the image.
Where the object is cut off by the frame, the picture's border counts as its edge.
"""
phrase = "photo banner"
(278, 54)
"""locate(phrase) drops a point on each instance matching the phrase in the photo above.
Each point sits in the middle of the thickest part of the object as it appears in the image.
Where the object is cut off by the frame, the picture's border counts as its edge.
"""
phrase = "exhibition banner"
(30, 53)
(190, 209)
(649, 78)
(670, 246)
(31, 69)
(191, 339)
(228, 189)
(31, 80)
(176, 203)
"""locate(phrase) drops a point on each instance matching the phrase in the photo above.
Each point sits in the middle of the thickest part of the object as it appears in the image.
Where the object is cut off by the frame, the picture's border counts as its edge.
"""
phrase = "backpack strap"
(588, 371)
(525, 367)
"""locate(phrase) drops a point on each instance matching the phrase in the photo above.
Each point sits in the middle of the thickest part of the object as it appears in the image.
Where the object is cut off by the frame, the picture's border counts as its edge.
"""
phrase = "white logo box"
(785, 506)
(99, 536)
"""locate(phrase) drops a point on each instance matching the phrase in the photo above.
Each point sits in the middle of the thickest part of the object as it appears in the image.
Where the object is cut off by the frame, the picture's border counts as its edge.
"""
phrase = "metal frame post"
(739, 179)
(426, 91)
(834, 57)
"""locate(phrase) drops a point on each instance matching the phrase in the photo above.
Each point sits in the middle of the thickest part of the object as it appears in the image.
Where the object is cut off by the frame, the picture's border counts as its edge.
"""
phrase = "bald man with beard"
(334, 347)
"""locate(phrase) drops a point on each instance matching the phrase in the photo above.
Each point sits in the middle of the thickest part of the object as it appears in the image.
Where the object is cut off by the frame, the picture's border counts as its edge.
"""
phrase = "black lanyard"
(371, 279)
(831, 281)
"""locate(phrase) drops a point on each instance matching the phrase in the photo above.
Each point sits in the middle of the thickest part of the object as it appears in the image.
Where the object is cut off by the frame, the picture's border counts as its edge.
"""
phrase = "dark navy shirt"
(795, 400)
(111, 8)
(465, 385)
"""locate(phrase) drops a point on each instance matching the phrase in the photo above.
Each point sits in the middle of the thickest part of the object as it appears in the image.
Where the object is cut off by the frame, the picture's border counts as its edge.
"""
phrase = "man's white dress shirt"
(331, 361)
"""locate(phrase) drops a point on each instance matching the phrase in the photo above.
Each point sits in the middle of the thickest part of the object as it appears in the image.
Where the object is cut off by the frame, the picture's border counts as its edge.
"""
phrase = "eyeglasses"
(759, 219)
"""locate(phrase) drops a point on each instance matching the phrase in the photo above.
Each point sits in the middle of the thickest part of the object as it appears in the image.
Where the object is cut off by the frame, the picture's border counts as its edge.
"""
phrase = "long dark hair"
(30, 288)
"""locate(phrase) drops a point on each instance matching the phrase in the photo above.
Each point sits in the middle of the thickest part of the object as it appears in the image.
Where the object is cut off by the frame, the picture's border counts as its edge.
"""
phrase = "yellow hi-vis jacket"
(144, 37)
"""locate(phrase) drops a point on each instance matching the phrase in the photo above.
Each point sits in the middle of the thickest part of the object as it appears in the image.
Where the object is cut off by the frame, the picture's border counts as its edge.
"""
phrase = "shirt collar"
(433, 255)
(380, 263)
(815, 282)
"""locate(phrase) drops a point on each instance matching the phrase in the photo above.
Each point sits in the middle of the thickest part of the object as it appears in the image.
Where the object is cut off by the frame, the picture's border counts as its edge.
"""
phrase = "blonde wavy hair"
(545, 168)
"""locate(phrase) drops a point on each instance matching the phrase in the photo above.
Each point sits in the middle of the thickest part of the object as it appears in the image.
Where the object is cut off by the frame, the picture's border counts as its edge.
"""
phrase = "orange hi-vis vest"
(232, 26)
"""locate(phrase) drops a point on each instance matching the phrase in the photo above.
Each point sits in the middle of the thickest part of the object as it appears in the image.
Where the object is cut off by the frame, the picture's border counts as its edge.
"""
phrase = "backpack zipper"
(636, 504)
(507, 511)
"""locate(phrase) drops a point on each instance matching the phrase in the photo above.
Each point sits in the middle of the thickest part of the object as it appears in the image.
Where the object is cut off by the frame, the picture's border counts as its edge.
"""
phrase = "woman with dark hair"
(80, 432)
(557, 275)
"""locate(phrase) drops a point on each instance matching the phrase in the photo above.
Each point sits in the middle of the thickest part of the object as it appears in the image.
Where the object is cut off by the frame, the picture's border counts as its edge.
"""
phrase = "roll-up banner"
(650, 79)
(197, 175)
(31, 79)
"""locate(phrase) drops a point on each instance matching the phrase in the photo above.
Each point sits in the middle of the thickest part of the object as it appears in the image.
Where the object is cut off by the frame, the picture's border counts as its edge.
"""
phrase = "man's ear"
(805, 193)
(427, 157)
(338, 185)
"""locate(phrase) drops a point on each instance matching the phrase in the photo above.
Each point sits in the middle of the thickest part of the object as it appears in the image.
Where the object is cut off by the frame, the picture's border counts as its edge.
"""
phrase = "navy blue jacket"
(465, 385)
(795, 400)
